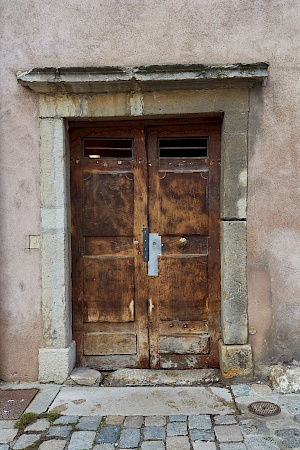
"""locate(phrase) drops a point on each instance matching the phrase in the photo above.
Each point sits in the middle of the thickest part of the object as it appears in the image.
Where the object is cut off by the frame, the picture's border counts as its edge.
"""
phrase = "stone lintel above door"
(94, 80)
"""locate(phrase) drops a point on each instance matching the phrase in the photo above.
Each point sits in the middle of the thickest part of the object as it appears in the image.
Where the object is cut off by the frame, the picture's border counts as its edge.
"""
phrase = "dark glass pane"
(183, 148)
(107, 148)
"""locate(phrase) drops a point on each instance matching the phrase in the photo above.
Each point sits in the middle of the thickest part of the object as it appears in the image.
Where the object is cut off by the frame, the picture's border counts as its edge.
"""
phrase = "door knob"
(183, 242)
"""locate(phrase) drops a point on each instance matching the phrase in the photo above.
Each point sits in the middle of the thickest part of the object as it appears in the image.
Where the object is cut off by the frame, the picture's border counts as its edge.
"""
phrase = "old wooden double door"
(145, 243)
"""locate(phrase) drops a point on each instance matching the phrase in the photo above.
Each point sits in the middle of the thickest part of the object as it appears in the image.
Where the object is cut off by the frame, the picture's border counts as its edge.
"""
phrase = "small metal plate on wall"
(154, 252)
(264, 408)
(14, 402)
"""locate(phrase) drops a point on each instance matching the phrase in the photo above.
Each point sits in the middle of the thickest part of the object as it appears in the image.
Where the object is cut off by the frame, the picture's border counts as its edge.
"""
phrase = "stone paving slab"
(200, 421)
(154, 433)
(39, 425)
(177, 443)
(62, 431)
(26, 440)
(130, 438)
(82, 440)
(261, 443)
(153, 445)
(144, 401)
(44, 398)
(225, 420)
(108, 434)
(53, 444)
(200, 445)
(177, 429)
(7, 435)
(7, 424)
(66, 420)
(89, 423)
(133, 422)
(233, 446)
(104, 447)
(228, 433)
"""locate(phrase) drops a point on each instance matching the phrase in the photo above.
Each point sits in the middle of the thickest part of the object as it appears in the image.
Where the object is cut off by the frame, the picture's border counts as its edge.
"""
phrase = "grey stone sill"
(85, 80)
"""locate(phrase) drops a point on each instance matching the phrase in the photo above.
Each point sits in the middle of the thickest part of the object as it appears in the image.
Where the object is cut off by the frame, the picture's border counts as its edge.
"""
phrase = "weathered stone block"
(97, 105)
(234, 318)
(53, 219)
(86, 377)
(234, 176)
(53, 162)
(202, 101)
(235, 122)
(235, 360)
(152, 103)
(285, 379)
(55, 365)
(55, 290)
(169, 377)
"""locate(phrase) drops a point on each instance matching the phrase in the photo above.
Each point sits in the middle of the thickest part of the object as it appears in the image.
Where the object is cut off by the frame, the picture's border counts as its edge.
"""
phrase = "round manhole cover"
(264, 408)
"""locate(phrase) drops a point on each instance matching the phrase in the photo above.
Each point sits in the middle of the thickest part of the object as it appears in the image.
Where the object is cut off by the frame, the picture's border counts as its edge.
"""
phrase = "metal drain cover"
(14, 402)
(264, 408)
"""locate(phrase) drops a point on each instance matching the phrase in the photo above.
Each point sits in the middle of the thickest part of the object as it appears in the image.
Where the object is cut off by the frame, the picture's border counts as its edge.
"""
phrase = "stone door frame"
(151, 92)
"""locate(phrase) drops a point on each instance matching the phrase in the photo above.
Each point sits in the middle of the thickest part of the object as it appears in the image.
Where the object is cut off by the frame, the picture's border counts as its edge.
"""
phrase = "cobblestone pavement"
(243, 431)
(177, 432)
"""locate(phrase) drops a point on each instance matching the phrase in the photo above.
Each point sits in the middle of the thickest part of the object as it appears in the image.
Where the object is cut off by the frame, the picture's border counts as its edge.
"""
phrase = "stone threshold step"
(149, 377)
(144, 377)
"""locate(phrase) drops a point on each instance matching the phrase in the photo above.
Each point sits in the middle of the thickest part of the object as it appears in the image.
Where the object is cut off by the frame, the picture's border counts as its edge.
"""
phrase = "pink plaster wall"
(39, 33)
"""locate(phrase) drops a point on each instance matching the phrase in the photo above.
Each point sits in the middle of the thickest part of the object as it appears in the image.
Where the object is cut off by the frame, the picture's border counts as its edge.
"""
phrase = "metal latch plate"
(155, 250)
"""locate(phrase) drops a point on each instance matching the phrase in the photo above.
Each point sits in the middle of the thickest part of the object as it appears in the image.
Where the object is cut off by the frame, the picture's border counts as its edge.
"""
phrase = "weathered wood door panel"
(183, 208)
(120, 184)
(109, 211)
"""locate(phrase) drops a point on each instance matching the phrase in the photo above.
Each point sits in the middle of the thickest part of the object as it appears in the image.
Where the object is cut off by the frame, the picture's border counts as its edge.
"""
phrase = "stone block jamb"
(148, 92)
(57, 357)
